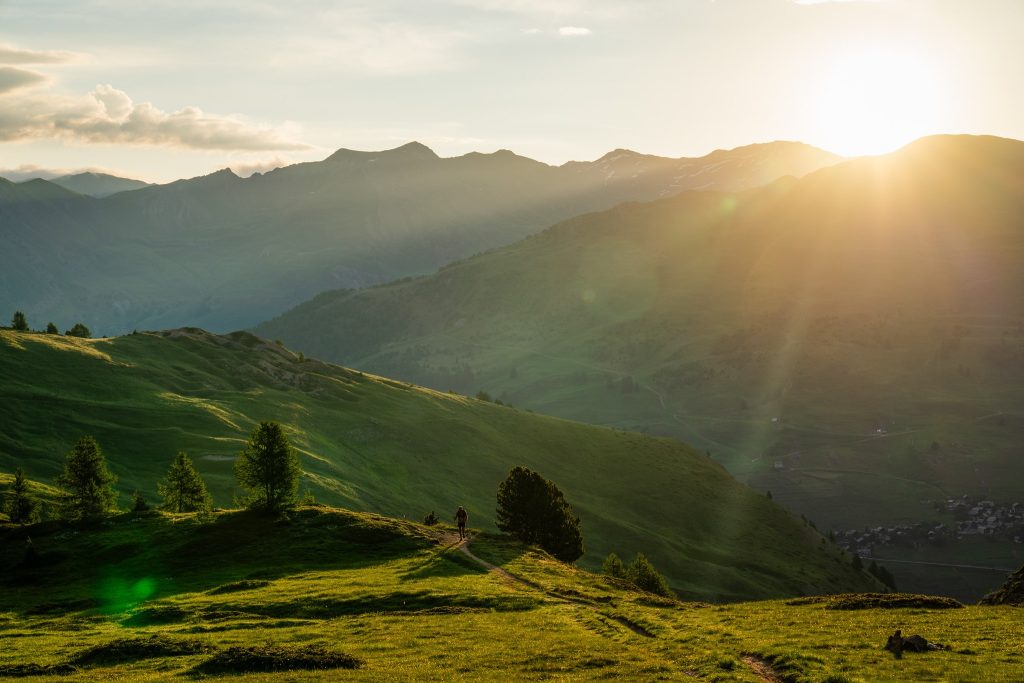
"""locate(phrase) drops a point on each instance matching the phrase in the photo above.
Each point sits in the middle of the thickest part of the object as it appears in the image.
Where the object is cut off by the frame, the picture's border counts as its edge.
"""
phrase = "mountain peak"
(410, 151)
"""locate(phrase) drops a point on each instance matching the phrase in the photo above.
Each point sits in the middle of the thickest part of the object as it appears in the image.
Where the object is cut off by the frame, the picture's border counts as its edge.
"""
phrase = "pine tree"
(22, 508)
(51, 329)
(269, 468)
(646, 577)
(613, 567)
(533, 509)
(18, 322)
(139, 503)
(88, 484)
(183, 490)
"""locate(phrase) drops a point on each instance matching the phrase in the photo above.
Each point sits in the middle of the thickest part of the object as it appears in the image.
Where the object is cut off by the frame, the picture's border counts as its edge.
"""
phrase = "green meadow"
(155, 597)
(372, 444)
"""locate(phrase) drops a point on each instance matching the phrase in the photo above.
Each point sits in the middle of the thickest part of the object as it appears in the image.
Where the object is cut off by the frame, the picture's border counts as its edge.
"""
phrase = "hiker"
(460, 518)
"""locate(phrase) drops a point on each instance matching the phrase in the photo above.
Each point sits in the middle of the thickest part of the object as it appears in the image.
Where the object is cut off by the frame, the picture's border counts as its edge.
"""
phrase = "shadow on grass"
(447, 563)
(126, 560)
(398, 603)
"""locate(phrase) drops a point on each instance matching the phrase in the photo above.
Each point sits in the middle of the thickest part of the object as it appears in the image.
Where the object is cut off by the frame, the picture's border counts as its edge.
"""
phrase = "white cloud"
(574, 31)
(12, 78)
(108, 115)
(244, 169)
(13, 55)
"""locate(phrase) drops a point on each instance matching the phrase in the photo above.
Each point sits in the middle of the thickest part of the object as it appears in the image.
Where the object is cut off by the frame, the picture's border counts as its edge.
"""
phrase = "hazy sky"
(161, 89)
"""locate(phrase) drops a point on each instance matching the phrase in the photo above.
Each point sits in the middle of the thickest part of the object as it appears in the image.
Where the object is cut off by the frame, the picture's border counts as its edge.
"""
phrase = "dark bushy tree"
(22, 506)
(431, 519)
(183, 490)
(51, 329)
(646, 577)
(269, 468)
(79, 330)
(88, 484)
(533, 509)
(18, 322)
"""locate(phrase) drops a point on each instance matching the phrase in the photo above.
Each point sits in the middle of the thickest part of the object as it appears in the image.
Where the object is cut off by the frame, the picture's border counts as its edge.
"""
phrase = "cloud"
(12, 78)
(14, 55)
(109, 116)
(245, 169)
(574, 31)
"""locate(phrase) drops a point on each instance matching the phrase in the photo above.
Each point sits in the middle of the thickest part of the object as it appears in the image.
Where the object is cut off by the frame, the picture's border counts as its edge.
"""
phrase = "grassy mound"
(271, 658)
(237, 586)
(26, 670)
(855, 601)
(1010, 593)
(135, 649)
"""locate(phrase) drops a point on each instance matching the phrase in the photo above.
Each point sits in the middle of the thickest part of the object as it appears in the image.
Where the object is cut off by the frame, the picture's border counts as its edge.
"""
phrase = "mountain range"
(224, 252)
(852, 341)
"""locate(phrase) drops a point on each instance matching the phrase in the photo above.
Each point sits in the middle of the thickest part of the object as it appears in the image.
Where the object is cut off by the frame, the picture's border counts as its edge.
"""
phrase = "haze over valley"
(512, 340)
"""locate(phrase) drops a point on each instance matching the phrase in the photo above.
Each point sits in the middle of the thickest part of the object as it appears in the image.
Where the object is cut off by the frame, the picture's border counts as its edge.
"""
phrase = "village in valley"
(970, 518)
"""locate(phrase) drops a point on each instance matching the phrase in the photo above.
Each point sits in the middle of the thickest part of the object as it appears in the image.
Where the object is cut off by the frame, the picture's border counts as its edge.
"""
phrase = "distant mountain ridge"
(852, 341)
(224, 252)
(97, 184)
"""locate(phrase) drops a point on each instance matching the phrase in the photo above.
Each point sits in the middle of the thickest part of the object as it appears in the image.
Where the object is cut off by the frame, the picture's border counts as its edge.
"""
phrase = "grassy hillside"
(147, 598)
(223, 252)
(371, 443)
(852, 341)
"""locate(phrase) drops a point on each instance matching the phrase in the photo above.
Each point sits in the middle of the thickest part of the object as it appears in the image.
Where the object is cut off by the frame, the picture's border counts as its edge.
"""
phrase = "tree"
(22, 508)
(613, 567)
(139, 503)
(18, 322)
(431, 519)
(183, 490)
(88, 484)
(533, 509)
(51, 329)
(269, 468)
(79, 330)
(856, 562)
(646, 577)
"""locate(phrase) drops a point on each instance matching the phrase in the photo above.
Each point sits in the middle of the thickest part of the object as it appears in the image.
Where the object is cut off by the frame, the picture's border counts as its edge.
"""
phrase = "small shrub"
(431, 519)
(613, 567)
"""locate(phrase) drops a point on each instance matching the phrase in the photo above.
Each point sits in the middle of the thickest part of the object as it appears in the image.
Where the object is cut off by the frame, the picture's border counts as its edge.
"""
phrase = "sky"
(164, 89)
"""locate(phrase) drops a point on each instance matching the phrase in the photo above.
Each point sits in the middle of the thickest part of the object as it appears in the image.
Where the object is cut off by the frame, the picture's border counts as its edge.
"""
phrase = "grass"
(369, 443)
(428, 613)
(777, 329)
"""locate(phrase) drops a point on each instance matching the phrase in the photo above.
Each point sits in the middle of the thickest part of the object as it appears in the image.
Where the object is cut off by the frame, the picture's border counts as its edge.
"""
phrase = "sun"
(873, 100)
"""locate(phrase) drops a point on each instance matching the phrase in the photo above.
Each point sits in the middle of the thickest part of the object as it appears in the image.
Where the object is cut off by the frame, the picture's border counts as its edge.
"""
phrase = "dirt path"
(453, 540)
(763, 669)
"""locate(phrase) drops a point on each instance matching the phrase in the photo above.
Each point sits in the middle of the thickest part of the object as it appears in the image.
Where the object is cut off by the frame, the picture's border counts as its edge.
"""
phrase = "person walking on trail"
(460, 518)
